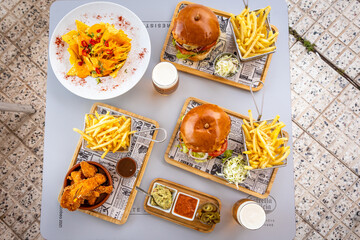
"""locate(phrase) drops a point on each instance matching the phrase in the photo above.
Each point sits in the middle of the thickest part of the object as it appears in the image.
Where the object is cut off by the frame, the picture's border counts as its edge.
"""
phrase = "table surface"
(65, 110)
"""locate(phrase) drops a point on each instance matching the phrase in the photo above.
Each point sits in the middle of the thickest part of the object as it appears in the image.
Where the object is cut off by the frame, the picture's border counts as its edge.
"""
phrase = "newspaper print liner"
(255, 70)
(118, 206)
(258, 184)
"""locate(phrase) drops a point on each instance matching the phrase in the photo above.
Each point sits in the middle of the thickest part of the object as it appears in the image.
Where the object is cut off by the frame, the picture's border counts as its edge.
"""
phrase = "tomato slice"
(221, 151)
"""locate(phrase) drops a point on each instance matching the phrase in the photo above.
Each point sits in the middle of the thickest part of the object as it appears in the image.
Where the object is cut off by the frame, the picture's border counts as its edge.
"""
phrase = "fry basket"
(84, 142)
(281, 134)
(268, 28)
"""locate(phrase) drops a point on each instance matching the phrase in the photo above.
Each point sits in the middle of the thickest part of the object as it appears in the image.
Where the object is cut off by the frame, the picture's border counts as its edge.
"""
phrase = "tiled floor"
(325, 113)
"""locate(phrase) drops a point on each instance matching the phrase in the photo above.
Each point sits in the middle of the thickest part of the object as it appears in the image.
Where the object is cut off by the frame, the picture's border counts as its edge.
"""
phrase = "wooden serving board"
(195, 224)
(204, 74)
(205, 174)
(138, 177)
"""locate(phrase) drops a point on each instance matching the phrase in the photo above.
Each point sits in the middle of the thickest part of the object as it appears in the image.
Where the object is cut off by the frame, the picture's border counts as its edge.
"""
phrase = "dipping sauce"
(162, 196)
(126, 167)
(185, 206)
(249, 214)
(165, 78)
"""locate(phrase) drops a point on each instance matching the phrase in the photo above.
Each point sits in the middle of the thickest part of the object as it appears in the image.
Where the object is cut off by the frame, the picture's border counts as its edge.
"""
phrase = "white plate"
(173, 198)
(134, 67)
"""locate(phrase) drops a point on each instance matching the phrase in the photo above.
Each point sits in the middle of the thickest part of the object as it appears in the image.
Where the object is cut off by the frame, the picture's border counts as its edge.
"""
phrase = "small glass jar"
(165, 78)
(249, 214)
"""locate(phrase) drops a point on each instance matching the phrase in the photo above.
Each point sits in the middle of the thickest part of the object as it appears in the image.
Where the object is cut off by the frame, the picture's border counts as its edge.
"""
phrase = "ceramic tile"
(296, 131)
(351, 155)
(7, 22)
(347, 179)
(331, 196)
(301, 144)
(3, 11)
(307, 117)
(20, 188)
(341, 207)
(300, 165)
(309, 177)
(314, 235)
(334, 50)
(304, 24)
(292, 40)
(327, 75)
(339, 25)
(35, 174)
(351, 236)
(322, 101)
(334, 170)
(9, 235)
(354, 69)
(357, 230)
(26, 39)
(350, 219)
(9, 4)
(337, 147)
(32, 232)
(336, 86)
(37, 135)
(318, 9)
(30, 196)
(349, 93)
(329, 17)
(296, 50)
(38, 150)
(299, 191)
(30, 16)
(305, 203)
(355, 106)
(324, 161)
(10, 53)
(320, 186)
(9, 144)
(345, 59)
(40, 25)
(315, 214)
(301, 85)
(324, 41)
(326, 224)
(314, 32)
(26, 164)
(340, 5)
(10, 179)
(35, 208)
(339, 232)
(3, 227)
(305, 60)
(19, 153)
(25, 128)
(294, 16)
(15, 32)
(335, 109)
(316, 68)
(5, 167)
(14, 120)
(313, 92)
(353, 10)
(329, 135)
(299, 106)
(295, 72)
(302, 228)
(21, 8)
(6, 202)
(355, 46)
(349, 34)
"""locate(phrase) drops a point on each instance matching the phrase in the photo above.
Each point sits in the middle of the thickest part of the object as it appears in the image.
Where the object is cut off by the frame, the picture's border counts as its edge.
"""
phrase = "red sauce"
(185, 206)
(142, 53)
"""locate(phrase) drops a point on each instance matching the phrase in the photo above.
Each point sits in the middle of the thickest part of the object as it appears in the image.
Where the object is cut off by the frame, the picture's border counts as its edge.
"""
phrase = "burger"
(196, 32)
(204, 131)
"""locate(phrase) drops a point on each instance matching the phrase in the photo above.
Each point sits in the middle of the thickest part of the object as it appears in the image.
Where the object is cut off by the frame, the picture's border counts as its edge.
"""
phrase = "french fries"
(252, 33)
(264, 147)
(106, 132)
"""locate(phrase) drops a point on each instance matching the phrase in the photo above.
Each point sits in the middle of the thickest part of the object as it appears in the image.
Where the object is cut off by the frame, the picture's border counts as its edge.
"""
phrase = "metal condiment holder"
(259, 121)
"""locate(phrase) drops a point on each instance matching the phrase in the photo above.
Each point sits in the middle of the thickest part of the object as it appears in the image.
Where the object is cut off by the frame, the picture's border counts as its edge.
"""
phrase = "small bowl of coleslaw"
(226, 65)
(234, 170)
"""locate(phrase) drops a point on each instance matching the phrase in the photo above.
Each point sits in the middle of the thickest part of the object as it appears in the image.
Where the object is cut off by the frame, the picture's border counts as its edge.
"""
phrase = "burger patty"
(187, 49)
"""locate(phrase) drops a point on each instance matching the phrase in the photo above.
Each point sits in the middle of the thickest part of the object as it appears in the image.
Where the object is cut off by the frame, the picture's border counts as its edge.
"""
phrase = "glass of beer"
(249, 214)
(165, 78)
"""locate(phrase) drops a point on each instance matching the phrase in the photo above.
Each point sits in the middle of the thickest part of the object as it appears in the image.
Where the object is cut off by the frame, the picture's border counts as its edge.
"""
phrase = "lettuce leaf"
(184, 56)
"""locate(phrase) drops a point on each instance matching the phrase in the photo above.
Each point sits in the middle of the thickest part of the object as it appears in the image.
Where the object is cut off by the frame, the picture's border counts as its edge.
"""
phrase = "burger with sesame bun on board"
(196, 32)
(204, 131)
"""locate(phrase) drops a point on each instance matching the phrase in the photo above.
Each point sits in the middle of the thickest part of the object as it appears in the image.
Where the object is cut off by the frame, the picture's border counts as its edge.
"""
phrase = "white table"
(65, 110)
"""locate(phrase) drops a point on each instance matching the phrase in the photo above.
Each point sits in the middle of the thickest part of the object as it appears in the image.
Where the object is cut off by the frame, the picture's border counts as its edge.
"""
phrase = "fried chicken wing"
(88, 170)
(75, 177)
(75, 194)
(97, 192)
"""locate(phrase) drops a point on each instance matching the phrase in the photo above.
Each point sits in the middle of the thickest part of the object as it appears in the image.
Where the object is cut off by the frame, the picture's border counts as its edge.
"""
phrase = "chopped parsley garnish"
(98, 80)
